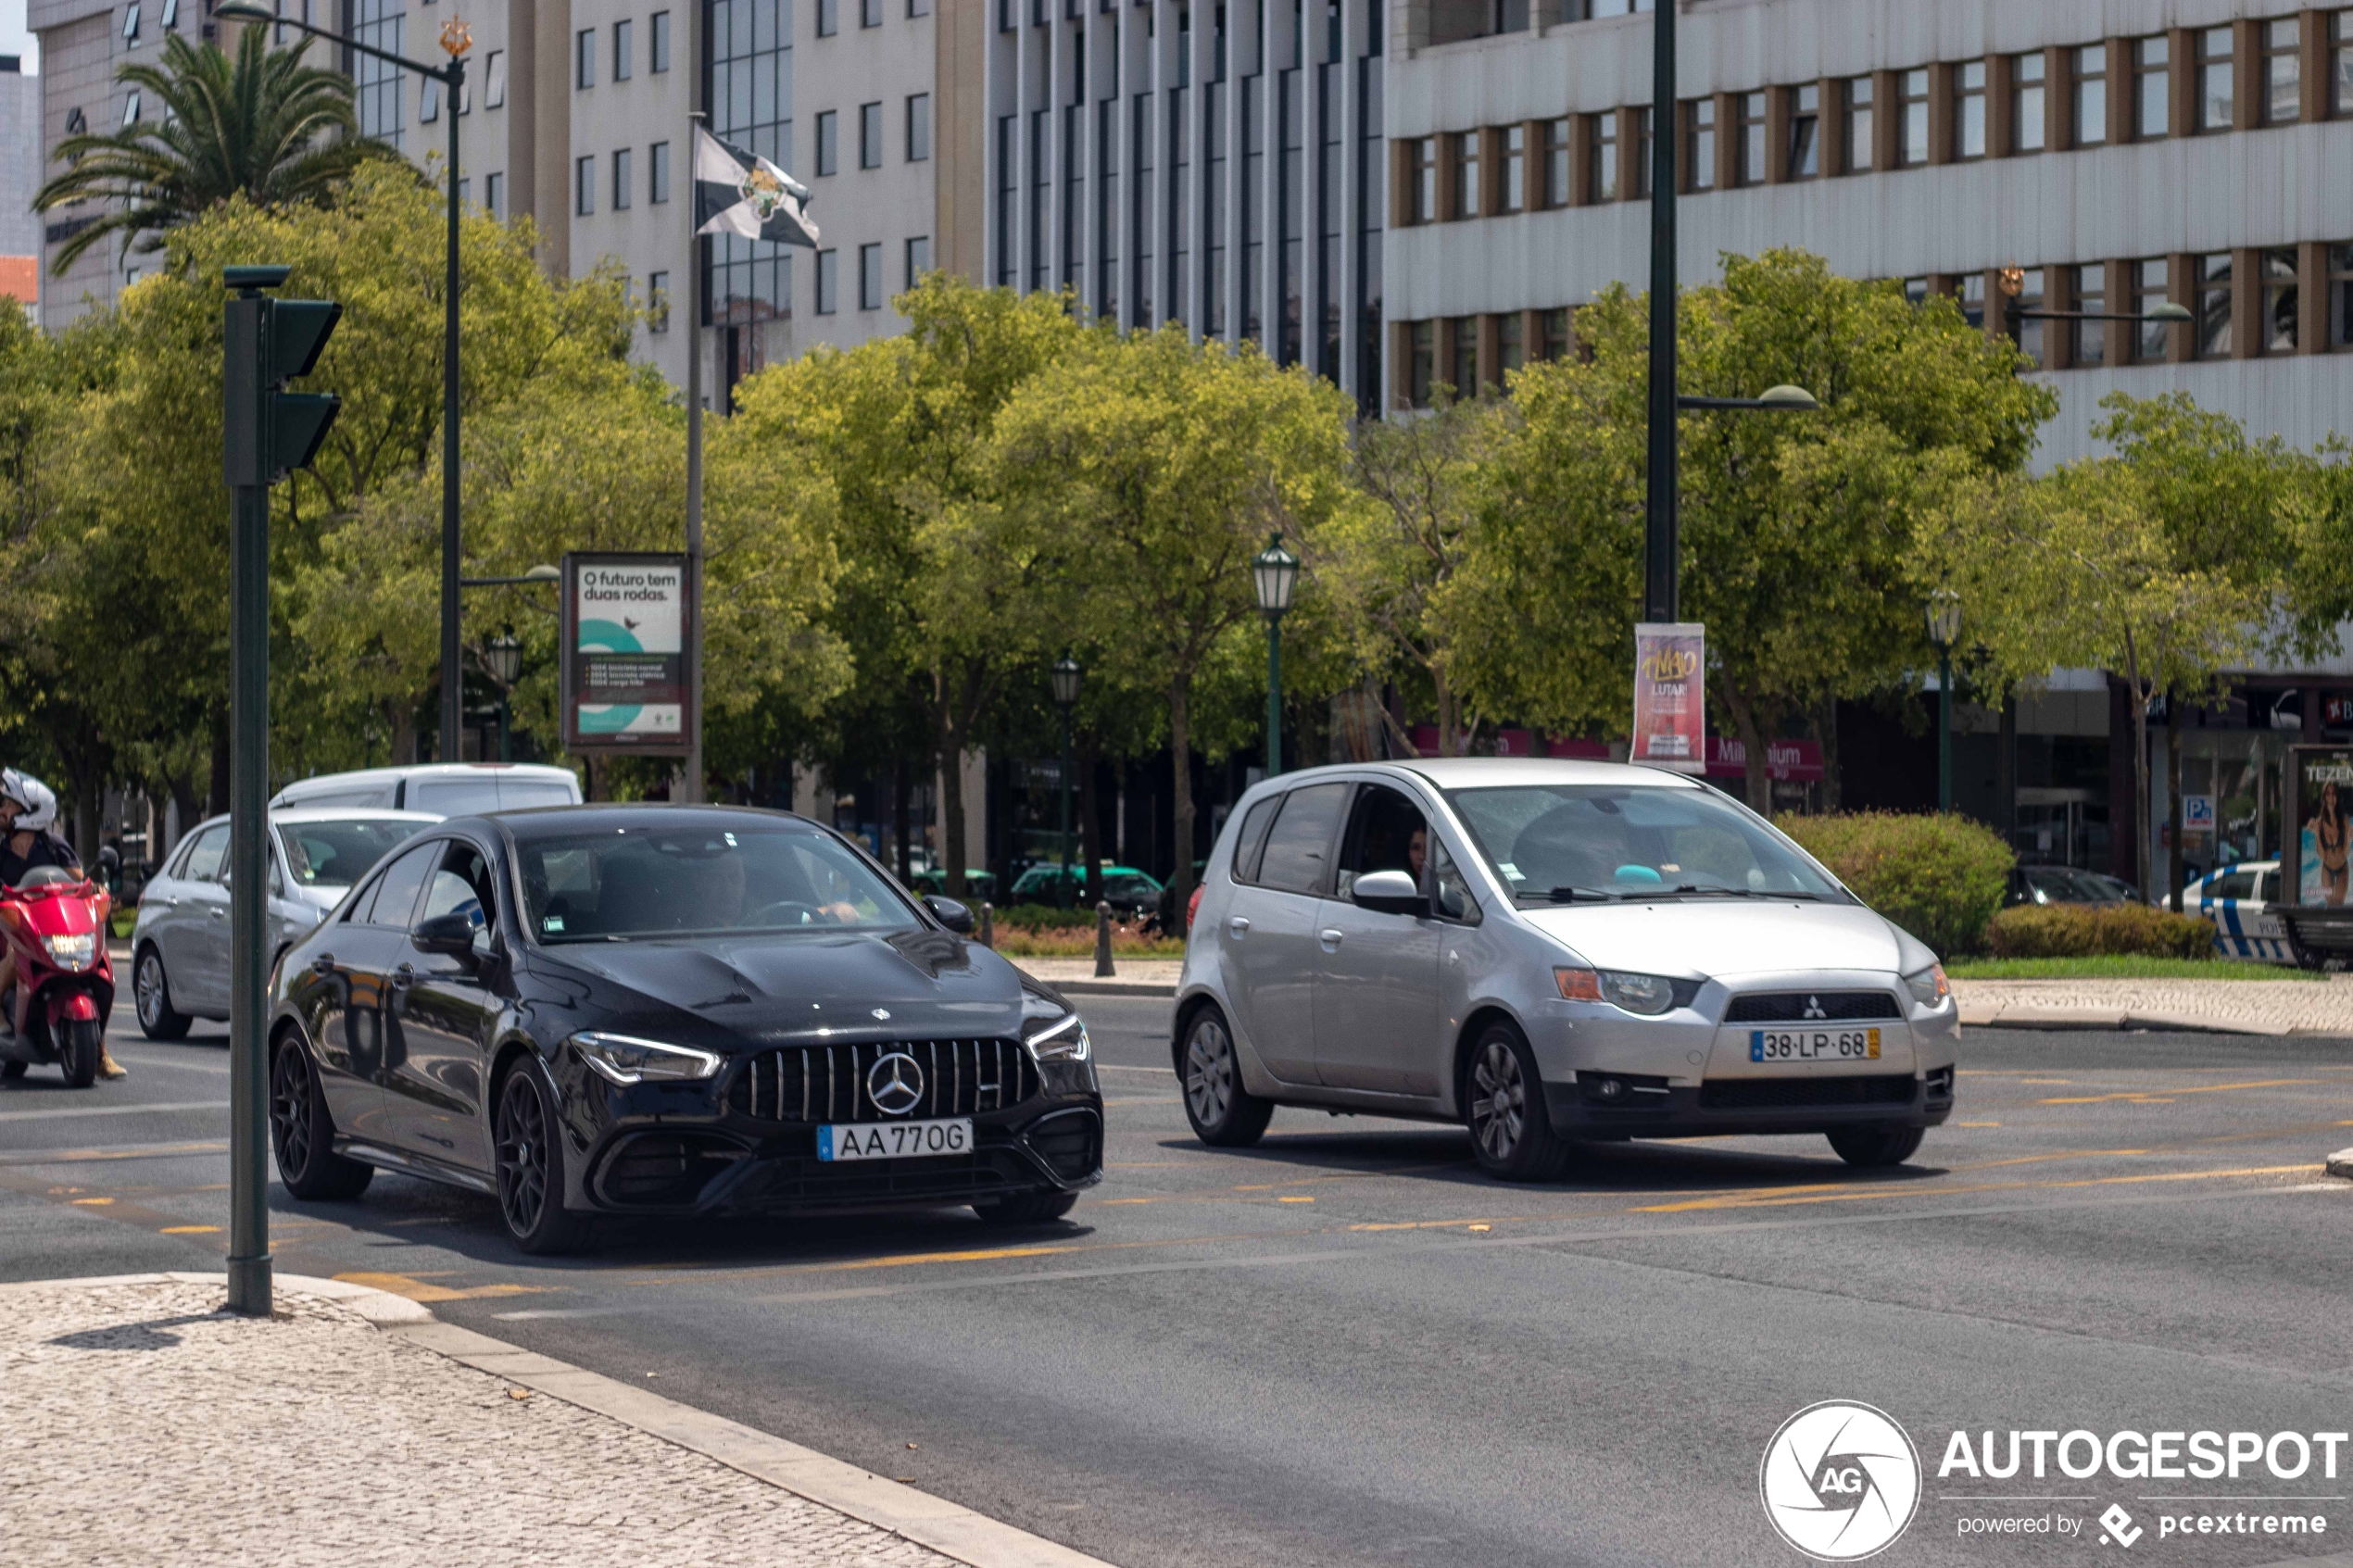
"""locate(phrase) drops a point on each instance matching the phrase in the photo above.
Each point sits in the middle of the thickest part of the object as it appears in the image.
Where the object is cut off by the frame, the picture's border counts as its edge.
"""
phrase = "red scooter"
(55, 924)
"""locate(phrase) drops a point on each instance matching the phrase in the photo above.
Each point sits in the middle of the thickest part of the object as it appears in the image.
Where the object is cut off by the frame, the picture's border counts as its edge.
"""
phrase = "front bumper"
(1625, 1105)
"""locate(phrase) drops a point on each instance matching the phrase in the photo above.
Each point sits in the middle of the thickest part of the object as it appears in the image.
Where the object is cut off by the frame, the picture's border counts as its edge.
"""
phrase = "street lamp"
(454, 40)
(1944, 629)
(504, 660)
(2011, 282)
(536, 574)
(1276, 571)
(1066, 677)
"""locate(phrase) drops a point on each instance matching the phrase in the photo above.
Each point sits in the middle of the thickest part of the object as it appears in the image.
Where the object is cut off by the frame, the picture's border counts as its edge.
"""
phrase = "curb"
(1111, 988)
(2341, 1164)
(2059, 1019)
(949, 1528)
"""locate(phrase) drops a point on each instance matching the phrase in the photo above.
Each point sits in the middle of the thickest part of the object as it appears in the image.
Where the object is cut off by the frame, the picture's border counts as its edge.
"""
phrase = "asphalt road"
(1347, 1347)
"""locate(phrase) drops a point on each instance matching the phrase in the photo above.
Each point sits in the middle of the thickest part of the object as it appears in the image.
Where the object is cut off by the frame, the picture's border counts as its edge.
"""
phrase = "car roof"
(630, 813)
(1474, 773)
(297, 815)
(430, 771)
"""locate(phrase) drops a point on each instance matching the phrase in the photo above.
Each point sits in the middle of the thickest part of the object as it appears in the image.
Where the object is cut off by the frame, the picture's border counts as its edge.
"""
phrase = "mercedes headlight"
(1057, 1039)
(1648, 995)
(1928, 986)
(73, 952)
(625, 1059)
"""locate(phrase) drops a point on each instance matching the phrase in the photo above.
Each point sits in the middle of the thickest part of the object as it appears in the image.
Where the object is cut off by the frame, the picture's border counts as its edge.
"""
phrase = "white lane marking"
(60, 1113)
(564, 1312)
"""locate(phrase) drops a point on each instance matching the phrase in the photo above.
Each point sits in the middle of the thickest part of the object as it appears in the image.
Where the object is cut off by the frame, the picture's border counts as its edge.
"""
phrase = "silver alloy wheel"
(1498, 1101)
(147, 985)
(1209, 1072)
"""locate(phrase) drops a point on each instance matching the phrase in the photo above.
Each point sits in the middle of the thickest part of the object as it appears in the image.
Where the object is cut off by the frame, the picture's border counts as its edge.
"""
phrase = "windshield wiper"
(1568, 895)
(1725, 893)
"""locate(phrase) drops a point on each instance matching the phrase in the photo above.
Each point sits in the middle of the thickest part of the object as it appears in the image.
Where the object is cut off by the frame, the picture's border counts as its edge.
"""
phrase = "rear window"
(338, 854)
(458, 797)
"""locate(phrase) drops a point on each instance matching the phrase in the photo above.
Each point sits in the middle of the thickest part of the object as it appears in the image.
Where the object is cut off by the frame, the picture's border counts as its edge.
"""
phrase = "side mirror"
(451, 935)
(950, 913)
(1388, 893)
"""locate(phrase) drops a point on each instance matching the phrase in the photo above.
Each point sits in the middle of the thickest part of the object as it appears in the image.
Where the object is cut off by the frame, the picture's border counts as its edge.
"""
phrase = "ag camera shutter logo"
(1840, 1481)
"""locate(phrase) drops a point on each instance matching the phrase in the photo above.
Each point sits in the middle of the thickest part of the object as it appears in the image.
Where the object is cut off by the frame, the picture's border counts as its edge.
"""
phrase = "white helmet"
(40, 802)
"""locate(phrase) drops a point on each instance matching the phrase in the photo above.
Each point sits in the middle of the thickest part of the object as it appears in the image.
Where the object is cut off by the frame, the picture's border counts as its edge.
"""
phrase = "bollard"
(988, 924)
(1103, 970)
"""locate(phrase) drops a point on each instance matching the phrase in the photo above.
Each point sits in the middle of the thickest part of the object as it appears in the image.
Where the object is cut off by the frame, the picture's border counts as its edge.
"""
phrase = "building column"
(2181, 288)
(2312, 297)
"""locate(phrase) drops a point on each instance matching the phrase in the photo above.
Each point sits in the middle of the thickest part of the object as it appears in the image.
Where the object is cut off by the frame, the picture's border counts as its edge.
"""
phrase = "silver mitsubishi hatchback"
(1548, 951)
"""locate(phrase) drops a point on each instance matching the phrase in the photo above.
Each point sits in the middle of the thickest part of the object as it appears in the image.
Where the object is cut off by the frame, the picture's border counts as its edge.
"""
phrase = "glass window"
(494, 193)
(918, 127)
(428, 100)
(828, 17)
(584, 73)
(657, 43)
(1968, 109)
(870, 13)
(1601, 175)
(919, 8)
(1509, 349)
(1857, 94)
(2088, 290)
(1386, 833)
(1913, 150)
(1969, 289)
(657, 302)
(2282, 72)
(1448, 888)
(1515, 191)
(1804, 132)
(2030, 297)
(828, 141)
(1748, 110)
(869, 136)
(1423, 155)
(206, 855)
(1463, 335)
(493, 80)
(2213, 306)
(1557, 142)
(2090, 96)
(1423, 363)
(1699, 145)
(394, 897)
(870, 279)
(583, 199)
(130, 26)
(828, 263)
(2280, 300)
(918, 259)
(2215, 80)
(658, 173)
(621, 161)
(1638, 156)
(1549, 842)
(661, 881)
(1466, 192)
(624, 51)
(1252, 840)
(1298, 847)
(2341, 63)
(2026, 103)
(2151, 114)
(1916, 291)
(2149, 290)
(1553, 326)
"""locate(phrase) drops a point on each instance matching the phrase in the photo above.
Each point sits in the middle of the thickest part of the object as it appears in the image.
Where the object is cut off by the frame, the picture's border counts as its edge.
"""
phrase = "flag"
(741, 193)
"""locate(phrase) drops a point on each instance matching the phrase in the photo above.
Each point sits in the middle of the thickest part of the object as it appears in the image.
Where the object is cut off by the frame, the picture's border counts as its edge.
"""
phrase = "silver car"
(1548, 951)
(180, 947)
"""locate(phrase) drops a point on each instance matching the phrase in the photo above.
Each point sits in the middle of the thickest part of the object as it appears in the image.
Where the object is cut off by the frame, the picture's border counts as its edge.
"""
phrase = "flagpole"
(691, 785)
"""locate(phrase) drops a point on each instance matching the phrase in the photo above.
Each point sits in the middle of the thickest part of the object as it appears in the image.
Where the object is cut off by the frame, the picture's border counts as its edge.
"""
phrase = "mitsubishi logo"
(895, 1082)
(1813, 1009)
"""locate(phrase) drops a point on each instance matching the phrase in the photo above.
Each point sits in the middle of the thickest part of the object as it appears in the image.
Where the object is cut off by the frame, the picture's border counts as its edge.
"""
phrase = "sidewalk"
(1136, 977)
(139, 1424)
(2237, 1007)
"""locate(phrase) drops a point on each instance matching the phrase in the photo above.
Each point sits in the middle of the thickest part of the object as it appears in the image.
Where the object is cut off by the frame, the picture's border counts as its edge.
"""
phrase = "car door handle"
(1238, 927)
(324, 964)
(1329, 937)
(219, 911)
(405, 975)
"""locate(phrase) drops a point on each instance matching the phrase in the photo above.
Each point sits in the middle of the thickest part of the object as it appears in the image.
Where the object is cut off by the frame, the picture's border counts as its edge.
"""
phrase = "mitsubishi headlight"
(1930, 987)
(73, 952)
(1648, 995)
(625, 1059)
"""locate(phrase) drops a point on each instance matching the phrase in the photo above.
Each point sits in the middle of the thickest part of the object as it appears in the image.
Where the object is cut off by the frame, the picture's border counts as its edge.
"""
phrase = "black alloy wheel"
(1873, 1147)
(302, 1136)
(1503, 1104)
(152, 992)
(530, 1166)
(1224, 1114)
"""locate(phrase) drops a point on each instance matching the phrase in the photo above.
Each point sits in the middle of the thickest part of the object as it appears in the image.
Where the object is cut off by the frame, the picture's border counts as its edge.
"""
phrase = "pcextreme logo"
(1840, 1481)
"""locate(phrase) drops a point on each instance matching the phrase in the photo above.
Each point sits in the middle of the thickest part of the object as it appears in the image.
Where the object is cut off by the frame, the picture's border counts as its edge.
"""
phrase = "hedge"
(1940, 877)
(2079, 931)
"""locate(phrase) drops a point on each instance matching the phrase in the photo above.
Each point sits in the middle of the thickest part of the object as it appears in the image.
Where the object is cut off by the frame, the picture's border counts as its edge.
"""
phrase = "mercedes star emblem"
(895, 1084)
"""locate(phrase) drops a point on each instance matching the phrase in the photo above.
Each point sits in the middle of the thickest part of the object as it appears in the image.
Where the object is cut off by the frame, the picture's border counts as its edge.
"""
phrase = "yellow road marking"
(1870, 1193)
(91, 1202)
(2203, 1089)
(1294, 1200)
(191, 1230)
(418, 1290)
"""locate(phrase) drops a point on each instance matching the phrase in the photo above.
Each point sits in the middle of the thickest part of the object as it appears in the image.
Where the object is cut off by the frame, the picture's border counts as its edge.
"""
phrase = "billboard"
(626, 653)
(2320, 801)
(1670, 721)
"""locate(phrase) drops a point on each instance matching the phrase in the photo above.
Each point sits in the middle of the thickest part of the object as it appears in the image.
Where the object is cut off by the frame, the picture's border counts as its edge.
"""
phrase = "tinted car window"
(2231, 885)
(1299, 846)
(670, 881)
(1252, 838)
(395, 894)
(206, 855)
(338, 854)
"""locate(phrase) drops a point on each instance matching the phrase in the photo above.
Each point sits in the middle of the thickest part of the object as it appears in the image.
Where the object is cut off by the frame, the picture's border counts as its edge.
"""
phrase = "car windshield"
(644, 883)
(459, 798)
(336, 854)
(1552, 843)
(2065, 885)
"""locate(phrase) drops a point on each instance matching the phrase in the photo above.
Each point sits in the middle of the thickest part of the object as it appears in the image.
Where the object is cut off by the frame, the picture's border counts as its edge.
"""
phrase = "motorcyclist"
(28, 818)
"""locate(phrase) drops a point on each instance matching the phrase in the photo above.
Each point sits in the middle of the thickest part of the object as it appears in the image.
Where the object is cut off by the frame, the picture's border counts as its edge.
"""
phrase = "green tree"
(265, 126)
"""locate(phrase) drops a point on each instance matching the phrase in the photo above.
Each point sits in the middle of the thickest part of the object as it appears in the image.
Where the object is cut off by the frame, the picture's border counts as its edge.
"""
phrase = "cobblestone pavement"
(139, 1424)
(2254, 1007)
(1141, 972)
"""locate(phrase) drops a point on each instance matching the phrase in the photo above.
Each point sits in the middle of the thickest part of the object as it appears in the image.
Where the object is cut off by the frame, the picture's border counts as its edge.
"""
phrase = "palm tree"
(267, 125)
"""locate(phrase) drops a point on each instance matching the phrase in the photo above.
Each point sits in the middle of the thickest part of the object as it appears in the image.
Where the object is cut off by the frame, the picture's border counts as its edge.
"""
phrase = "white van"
(445, 789)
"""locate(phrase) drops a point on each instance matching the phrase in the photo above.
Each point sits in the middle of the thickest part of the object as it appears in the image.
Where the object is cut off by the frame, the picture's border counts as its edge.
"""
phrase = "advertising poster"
(625, 658)
(1670, 722)
(2320, 792)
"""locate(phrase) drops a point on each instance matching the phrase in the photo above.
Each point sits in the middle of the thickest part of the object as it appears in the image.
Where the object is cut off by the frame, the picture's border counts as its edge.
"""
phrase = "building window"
(1515, 192)
(657, 43)
(2341, 297)
(1601, 184)
(2151, 116)
(918, 259)
(1699, 145)
(1466, 203)
(584, 59)
(919, 8)
(2029, 297)
(2283, 100)
(2216, 83)
(1553, 334)
(378, 86)
(1857, 94)
(1422, 171)
(828, 17)
(658, 302)
(2088, 290)
(1557, 143)
(624, 50)
(829, 142)
(2280, 299)
(1968, 109)
(870, 283)
(2026, 104)
(428, 100)
(1913, 152)
(584, 195)
(493, 80)
(130, 26)
(621, 162)
(169, 19)
(2341, 63)
(1509, 349)
(1748, 140)
(869, 136)
(2149, 290)
(2090, 96)
(870, 15)
(2213, 305)
(1804, 132)
(1638, 171)
(918, 127)
(1464, 371)
(494, 193)
(130, 109)
(1423, 363)
(827, 280)
(658, 173)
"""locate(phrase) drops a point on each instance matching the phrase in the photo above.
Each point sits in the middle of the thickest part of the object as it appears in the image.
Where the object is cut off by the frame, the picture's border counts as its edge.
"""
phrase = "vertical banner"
(627, 654)
(2319, 808)
(1671, 718)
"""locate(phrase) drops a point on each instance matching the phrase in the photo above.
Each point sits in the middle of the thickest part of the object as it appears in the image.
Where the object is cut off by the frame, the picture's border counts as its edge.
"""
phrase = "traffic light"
(269, 432)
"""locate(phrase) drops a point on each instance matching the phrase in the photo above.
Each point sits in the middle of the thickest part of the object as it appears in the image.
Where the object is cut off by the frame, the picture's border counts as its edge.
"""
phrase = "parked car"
(445, 789)
(1128, 890)
(180, 944)
(671, 1010)
(1547, 950)
(2239, 900)
(2068, 885)
(978, 884)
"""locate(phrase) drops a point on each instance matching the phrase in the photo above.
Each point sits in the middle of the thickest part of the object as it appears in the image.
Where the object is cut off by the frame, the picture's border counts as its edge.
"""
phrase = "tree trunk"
(899, 819)
(2141, 789)
(1091, 829)
(217, 787)
(1446, 705)
(1180, 754)
(2174, 871)
(1745, 724)
(950, 738)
